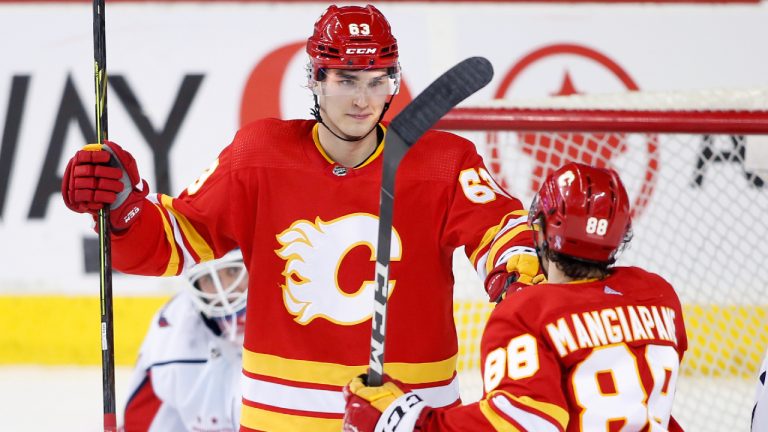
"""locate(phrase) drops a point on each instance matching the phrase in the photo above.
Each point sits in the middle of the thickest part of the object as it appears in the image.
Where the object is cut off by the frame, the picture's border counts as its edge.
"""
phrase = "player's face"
(227, 276)
(352, 101)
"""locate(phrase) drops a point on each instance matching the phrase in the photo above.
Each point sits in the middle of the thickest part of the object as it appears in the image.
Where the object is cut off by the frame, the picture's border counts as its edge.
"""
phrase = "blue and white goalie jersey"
(760, 410)
(186, 378)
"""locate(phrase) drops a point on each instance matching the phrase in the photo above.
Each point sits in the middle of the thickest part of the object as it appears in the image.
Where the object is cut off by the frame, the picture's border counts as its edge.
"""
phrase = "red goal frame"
(590, 120)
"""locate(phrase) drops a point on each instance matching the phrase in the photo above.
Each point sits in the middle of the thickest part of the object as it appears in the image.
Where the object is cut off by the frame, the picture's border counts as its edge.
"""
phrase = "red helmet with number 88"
(584, 212)
(352, 37)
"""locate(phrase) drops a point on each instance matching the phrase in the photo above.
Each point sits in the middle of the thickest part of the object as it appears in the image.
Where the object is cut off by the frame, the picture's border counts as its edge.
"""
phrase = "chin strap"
(316, 114)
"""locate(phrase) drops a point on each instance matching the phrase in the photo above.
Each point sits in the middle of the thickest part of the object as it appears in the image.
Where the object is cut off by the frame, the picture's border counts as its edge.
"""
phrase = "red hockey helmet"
(584, 212)
(352, 37)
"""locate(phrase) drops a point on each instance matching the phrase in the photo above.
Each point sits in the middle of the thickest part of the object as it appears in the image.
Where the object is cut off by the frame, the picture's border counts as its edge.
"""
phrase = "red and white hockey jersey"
(308, 231)
(586, 356)
(186, 378)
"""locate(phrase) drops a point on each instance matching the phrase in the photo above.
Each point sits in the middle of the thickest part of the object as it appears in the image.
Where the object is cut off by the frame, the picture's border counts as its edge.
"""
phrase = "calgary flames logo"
(314, 253)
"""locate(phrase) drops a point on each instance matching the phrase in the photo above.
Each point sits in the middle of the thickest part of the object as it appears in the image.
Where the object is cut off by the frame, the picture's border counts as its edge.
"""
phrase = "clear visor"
(353, 84)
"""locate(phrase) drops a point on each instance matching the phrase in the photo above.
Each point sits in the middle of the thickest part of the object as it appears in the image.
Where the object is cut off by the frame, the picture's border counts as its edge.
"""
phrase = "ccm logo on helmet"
(361, 50)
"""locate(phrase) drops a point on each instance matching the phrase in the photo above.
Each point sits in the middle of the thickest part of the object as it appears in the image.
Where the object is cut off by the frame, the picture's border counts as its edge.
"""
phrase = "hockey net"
(695, 166)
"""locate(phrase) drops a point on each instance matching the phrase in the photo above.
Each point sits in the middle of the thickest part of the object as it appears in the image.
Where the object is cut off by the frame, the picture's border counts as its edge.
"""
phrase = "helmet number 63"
(359, 29)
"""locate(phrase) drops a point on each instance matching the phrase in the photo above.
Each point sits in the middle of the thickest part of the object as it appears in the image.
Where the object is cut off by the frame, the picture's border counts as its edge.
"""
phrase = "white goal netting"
(696, 167)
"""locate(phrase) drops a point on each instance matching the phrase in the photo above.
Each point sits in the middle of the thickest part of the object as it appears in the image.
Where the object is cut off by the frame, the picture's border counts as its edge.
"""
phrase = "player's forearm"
(460, 418)
(146, 248)
(501, 240)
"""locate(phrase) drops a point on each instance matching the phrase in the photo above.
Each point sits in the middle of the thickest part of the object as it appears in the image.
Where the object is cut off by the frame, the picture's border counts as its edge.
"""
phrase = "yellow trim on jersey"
(491, 233)
(581, 281)
(259, 419)
(499, 423)
(377, 152)
(488, 237)
(173, 261)
(501, 242)
(316, 140)
(195, 239)
(556, 412)
(371, 158)
(339, 375)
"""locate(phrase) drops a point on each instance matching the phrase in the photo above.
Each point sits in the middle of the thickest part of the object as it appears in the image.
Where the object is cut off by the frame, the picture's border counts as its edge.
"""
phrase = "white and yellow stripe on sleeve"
(499, 406)
(172, 268)
(486, 256)
(177, 229)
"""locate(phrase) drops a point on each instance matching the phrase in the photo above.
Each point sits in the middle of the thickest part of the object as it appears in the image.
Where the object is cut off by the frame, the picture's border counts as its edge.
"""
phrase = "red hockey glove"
(389, 408)
(104, 174)
(520, 270)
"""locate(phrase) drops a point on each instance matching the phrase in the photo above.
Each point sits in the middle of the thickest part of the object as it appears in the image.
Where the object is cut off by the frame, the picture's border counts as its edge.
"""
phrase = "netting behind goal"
(695, 166)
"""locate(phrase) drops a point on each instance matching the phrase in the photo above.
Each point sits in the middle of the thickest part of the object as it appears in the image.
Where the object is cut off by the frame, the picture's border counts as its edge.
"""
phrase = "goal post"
(695, 167)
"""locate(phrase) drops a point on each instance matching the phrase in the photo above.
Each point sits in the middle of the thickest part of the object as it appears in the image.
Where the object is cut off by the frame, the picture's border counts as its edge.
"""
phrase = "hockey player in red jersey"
(301, 198)
(596, 348)
(187, 377)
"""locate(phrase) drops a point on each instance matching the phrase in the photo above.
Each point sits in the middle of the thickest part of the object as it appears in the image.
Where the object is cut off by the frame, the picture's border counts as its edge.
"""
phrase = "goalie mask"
(583, 212)
(219, 290)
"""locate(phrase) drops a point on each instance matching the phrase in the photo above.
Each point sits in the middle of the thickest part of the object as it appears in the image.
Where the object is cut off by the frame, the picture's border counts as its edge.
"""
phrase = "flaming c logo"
(313, 254)
(261, 96)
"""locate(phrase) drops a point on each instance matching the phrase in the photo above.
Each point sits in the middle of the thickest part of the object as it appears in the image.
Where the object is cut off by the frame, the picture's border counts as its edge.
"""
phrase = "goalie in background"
(596, 348)
(187, 377)
(300, 198)
(760, 410)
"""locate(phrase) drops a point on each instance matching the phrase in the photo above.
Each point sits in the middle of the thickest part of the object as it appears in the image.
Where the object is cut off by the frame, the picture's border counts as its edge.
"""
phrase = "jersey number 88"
(607, 384)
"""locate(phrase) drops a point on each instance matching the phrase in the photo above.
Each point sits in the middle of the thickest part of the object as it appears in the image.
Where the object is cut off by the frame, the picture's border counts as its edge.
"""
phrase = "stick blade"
(441, 96)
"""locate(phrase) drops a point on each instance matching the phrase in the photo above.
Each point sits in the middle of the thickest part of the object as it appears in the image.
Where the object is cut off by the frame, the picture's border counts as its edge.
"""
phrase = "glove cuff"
(498, 281)
(121, 217)
(402, 415)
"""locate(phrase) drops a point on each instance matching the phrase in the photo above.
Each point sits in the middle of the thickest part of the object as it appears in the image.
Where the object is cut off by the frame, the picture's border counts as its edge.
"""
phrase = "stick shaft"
(105, 253)
(393, 154)
(407, 127)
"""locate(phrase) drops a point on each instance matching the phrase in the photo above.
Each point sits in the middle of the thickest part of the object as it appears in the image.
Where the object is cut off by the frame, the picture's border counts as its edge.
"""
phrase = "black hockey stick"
(105, 245)
(420, 115)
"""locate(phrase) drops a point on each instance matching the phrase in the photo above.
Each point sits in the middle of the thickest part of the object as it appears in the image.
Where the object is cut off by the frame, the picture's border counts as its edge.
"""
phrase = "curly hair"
(583, 269)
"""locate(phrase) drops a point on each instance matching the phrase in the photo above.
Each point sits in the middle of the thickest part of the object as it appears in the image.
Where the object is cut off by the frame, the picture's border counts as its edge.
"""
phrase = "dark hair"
(577, 268)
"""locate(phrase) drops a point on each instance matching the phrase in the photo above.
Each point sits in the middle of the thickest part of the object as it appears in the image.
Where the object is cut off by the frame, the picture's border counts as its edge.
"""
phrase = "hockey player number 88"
(607, 384)
(597, 226)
